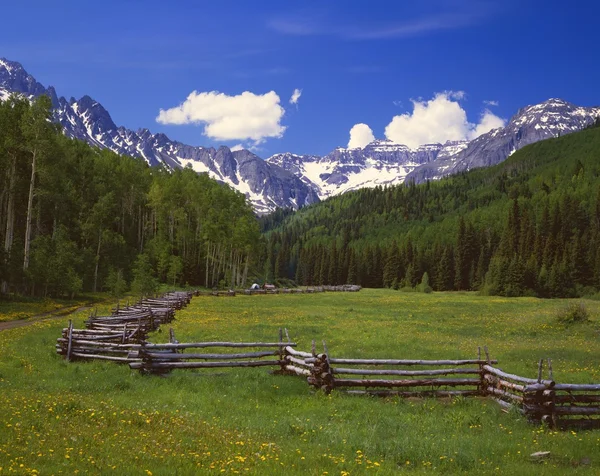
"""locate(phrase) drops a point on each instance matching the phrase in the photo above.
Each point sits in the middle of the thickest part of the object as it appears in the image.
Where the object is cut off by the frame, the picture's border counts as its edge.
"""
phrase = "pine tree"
(352, 271)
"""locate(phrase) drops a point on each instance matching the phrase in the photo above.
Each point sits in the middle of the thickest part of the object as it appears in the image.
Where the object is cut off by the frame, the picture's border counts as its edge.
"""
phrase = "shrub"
(573, 313)
(424, 286)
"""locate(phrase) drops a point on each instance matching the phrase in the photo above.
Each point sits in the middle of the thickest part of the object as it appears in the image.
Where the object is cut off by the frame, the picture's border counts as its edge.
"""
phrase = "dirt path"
(43, 317)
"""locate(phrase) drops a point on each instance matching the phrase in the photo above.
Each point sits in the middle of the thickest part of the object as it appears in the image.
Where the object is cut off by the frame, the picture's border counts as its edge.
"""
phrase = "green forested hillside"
(76, 218)
(530, 225)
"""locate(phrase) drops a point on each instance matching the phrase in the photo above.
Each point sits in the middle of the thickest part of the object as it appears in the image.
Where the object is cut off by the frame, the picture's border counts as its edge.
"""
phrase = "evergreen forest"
(528, 226)
(75, 218)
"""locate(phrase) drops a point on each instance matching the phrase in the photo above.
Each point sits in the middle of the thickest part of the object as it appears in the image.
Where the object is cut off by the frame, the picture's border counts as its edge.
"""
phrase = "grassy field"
(101, 418)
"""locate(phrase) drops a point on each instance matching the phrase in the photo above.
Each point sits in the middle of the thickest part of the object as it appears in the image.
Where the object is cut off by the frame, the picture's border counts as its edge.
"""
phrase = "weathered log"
(294, 360)
(96, 350)
(416, 393)
(577, 387)
(577, 399)
(101, 344)
(297, 370)
(578, 423)
(184, 356)
(203, 365)
(297, 353)
(568, 410)
(338, 370)
(503, 383)
(101, 357)
(536, 387)
(507, 406)
(218, 344)
(402, 362)
(504, 394)
(406, 383)
(500, 373)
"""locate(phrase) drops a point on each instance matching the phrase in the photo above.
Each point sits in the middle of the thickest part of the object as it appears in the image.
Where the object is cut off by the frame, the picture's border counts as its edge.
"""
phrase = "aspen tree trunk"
(29, 211)
(10, 216)
(140, 223)
(206, 270)
(97, 260)
(245, 272)
(10, 209)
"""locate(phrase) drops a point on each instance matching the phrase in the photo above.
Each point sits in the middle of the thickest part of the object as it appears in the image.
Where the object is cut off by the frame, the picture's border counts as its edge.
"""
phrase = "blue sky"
(354, 62)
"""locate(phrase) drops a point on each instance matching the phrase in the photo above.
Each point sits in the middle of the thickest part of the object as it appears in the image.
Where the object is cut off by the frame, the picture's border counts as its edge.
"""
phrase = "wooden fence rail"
(163, 358)
(457, 377)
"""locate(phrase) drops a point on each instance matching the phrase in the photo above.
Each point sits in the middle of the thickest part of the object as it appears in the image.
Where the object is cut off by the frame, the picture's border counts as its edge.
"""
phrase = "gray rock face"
(265, 185)
(379, 163)
(385, 163)
(551, 118)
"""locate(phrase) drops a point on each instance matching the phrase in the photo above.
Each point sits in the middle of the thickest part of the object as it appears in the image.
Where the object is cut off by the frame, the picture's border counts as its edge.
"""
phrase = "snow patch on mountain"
(266, 187)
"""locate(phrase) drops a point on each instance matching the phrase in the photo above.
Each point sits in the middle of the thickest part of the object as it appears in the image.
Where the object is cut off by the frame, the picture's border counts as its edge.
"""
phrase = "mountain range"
(291, 180)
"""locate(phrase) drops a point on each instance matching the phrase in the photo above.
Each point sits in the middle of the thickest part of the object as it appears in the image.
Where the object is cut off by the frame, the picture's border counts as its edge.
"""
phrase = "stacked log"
(120, 336)
(529, 395)
(82, 344)
(294, 362)
(321, 375)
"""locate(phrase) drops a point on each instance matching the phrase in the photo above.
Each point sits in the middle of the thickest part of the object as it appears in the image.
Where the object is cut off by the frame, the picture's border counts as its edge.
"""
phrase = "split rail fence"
(124, 340)
(119, 336)
(347, 288)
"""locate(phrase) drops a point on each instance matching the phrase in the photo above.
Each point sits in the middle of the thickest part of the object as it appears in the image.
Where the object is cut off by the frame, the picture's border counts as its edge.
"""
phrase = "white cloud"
(295, 96)
(438, 120)
(247, 116)
(360, 136)
(491, 103)
(487, 122)
(236, 147)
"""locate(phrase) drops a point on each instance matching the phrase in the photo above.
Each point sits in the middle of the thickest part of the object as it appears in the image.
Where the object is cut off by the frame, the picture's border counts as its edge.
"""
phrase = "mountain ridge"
(289, 180)
(265, 185)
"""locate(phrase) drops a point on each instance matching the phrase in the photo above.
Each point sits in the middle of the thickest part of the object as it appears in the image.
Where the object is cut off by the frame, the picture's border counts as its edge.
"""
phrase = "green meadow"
(102, 418)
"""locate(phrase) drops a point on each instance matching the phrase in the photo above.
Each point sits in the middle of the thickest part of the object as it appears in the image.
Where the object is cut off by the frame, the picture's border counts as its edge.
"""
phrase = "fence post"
(551, 417)
(482, 382)
(70, 344)
(327, 379)
(281, 353)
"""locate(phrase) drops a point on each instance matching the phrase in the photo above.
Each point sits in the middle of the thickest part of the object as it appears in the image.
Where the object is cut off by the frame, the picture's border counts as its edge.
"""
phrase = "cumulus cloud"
(438, 120)
(236, 147)
(295, 96)
(487, 122)
(491, 103)
(246, 116)
(360, 136)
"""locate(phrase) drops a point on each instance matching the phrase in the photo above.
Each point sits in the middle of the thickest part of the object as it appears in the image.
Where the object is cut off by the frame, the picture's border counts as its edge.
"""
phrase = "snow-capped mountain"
(266, 186)
(551, 118)
(379, 163)
(291, 180)
(385, 163)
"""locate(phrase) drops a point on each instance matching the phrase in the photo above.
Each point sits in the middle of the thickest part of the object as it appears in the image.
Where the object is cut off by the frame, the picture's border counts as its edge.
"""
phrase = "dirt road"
(41, 317)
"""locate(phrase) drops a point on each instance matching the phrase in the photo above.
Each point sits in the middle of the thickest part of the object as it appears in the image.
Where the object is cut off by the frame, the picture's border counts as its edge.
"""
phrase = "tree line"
(529, 226)
(75, 218)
